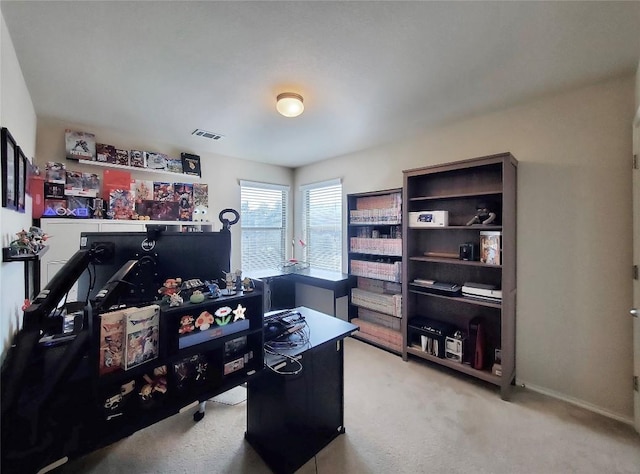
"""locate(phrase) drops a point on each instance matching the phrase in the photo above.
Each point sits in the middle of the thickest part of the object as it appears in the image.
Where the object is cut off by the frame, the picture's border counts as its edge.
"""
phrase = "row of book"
(83, 146)
(388, 216)
(383, 303)
(381, 319)
(379, 270)
(382, 201)
(391, 247)
(129, 337)
(383, 336)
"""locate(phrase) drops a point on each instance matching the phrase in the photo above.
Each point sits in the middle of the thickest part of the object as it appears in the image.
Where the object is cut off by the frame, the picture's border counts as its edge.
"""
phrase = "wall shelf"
(181, 176)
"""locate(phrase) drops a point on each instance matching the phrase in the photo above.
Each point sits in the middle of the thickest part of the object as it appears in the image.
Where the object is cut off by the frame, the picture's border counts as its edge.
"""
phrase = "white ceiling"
(370, 72)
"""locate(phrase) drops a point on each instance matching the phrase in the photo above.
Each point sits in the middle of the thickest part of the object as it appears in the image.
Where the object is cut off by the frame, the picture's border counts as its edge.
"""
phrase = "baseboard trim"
(576, 402)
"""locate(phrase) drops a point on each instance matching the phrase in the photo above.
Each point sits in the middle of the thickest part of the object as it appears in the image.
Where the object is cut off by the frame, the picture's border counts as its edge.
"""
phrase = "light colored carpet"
(400, 417)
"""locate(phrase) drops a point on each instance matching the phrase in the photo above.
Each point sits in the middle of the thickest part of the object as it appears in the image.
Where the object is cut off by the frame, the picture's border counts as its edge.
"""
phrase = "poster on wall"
(80, 145)
(8, 170)
(190, 164)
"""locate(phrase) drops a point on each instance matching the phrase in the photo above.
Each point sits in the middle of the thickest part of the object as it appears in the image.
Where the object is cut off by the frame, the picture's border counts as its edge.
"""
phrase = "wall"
(18, 115)
(574, 230)
(221, 173)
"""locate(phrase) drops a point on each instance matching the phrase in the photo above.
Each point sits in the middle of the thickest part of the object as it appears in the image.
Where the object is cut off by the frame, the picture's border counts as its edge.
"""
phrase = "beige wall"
(574, 230)
(221, 173)
(18, 115)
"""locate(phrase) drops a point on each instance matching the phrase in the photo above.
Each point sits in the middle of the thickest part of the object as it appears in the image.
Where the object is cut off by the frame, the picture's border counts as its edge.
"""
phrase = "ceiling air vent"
(205, 134)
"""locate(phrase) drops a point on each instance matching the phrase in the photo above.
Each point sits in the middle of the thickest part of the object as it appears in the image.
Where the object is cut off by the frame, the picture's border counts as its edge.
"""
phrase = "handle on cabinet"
(634, 312)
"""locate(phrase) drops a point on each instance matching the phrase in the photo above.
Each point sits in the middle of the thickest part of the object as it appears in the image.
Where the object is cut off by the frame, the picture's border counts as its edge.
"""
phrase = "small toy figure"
(214, 289)
(28, 242)
(186, 324)
(170, 286)
(155, 385)
(483, 215)
(247, 284)
(175, 300)
(200, 214)
(197, 296)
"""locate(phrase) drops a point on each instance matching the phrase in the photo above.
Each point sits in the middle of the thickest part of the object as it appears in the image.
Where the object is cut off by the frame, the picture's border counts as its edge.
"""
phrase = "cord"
(289, 358)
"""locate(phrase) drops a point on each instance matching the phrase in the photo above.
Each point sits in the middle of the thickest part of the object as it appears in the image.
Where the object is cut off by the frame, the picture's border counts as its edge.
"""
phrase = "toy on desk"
(248, 285)
(170, 287)
(197, 296)
(204, 321)
(214, 289)
(175, 300)
(186, 324)
(483, 215)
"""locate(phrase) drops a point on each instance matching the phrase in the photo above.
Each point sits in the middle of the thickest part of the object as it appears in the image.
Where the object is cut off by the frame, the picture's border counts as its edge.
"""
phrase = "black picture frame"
(8, 157)
(191, 164)
(20, 179)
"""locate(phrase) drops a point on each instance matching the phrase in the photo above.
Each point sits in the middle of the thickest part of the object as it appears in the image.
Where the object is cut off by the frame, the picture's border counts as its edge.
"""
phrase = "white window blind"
(263, 211)
(322, 220)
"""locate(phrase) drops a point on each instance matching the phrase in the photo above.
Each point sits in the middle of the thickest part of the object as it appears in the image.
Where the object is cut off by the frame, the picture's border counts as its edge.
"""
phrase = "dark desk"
(284, 282)
(290, 418)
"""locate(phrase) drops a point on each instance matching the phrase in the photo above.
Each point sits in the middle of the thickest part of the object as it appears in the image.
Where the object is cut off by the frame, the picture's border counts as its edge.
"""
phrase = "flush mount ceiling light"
(289, 104)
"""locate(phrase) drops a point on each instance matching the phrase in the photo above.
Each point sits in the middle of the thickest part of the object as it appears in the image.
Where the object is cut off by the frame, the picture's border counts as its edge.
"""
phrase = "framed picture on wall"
(8, 155)
(21, 179)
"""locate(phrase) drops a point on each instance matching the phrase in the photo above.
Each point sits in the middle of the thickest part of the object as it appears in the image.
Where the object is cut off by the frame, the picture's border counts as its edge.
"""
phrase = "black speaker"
(468, 251)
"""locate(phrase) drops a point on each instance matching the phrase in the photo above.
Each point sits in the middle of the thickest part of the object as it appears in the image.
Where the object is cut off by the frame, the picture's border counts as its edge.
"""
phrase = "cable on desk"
(296, 339)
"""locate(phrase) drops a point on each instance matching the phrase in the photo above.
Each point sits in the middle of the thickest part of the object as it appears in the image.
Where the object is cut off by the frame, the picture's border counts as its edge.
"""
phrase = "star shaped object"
(238, 313)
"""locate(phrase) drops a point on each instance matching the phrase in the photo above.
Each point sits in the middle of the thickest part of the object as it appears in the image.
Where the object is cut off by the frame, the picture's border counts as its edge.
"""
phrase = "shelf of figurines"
(182, 176)
(12, 254)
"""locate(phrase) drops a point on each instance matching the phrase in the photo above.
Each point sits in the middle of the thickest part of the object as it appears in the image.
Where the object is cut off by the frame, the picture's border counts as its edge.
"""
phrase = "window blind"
(263, 208)
(322, 218)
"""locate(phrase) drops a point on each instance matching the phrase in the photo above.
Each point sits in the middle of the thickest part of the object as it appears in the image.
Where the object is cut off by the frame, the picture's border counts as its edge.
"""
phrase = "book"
(90, 185)
(106, 153)
(73, 186)
(490, 247)
(137, 159)
(111, 345)
(80, 145)
(121, 204)
(156, 161)
(122, 157)
(54, 191)
(190, 164)
(143, 190)
(201, 194)
(142, 335)
(78, 206)
(163, 192)
(55, 208)
(55, 172)
(174, 165)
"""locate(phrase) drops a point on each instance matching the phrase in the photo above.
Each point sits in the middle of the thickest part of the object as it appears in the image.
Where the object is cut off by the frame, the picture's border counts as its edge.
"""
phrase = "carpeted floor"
(400, 417)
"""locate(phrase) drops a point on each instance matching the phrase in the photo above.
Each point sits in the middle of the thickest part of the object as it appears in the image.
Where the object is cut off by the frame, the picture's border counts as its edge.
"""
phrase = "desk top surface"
(322, 328)
(307, 272)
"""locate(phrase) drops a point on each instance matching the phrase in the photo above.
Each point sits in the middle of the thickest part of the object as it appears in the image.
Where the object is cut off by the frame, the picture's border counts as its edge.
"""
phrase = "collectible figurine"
(214, 289)
(483, 215)
(197, 296)
(170, 286)
(175, 300)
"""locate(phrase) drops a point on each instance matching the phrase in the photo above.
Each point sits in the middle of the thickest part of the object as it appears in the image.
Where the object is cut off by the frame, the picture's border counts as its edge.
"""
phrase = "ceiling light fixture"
(289, 104)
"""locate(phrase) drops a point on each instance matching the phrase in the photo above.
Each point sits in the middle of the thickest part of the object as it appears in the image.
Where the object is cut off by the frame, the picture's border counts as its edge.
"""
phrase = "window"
(263, 208)
(322, 223)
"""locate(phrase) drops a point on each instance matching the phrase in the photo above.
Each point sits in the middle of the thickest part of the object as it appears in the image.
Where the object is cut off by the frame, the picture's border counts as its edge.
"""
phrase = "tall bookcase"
(483, 325)
(375, 258)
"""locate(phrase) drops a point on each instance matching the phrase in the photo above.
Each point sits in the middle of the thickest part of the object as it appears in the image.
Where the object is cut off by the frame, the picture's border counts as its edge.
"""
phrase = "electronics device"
(468, 251)
(453, 349)
(429, 219)
(431, 334)
(480, 290)
(438, 287)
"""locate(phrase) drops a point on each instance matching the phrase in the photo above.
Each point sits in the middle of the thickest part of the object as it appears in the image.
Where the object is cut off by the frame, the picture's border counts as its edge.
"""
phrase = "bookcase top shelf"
(456, 196)
(182, 176)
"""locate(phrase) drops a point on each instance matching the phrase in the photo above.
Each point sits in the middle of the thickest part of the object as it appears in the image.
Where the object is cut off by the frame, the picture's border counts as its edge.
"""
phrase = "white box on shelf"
(429, 219)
